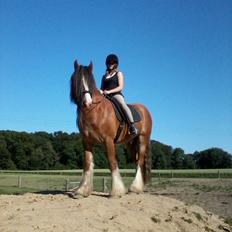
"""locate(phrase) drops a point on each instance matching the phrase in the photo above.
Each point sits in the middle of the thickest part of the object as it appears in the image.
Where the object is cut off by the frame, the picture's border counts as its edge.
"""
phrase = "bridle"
(86, 91)
(94, 103)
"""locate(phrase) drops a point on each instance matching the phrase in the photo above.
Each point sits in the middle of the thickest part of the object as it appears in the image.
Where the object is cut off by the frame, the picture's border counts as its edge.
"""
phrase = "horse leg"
(86, 185)
(132, 148)
(117, 187)
(137, 185)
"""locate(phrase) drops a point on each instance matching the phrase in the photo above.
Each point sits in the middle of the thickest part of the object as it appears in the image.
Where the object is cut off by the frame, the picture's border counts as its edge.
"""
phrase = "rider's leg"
(120, 99)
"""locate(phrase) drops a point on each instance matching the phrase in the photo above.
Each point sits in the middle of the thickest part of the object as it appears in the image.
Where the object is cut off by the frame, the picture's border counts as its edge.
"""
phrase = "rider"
(112, 84)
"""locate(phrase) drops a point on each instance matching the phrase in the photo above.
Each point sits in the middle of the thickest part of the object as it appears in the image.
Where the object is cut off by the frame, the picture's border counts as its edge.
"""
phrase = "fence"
(39, 183)
(64, 180)
(192, 174)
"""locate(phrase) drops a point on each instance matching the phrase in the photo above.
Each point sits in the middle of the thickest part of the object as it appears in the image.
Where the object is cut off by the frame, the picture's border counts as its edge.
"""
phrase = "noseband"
(87, 91)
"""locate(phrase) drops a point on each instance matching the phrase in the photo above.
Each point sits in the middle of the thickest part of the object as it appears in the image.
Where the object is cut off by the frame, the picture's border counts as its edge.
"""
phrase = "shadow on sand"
(71, 194)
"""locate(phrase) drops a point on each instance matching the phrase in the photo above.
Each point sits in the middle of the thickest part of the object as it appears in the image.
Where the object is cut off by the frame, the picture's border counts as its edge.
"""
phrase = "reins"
(94, 104)
(98, 101)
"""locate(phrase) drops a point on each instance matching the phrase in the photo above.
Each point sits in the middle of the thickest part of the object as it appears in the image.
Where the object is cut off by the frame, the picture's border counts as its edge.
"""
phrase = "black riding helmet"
(112, 59)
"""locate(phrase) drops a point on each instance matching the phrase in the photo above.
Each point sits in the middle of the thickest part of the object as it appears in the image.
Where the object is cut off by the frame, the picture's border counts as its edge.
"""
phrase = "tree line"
(60, 150)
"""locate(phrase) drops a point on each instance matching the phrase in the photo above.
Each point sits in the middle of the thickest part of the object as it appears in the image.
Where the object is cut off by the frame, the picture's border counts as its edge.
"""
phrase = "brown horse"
(98, 124)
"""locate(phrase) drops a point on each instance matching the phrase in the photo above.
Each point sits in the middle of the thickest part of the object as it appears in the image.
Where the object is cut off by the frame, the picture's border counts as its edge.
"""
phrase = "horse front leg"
(117, 186)
(86, 185)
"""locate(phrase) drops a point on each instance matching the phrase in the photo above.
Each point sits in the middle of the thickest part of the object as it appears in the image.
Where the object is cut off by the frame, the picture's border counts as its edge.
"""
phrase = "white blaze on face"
(87, 96)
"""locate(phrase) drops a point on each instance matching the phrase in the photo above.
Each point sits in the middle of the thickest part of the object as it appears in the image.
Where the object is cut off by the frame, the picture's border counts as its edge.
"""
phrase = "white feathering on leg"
(86, 185)
(118, 187)
(138, 184)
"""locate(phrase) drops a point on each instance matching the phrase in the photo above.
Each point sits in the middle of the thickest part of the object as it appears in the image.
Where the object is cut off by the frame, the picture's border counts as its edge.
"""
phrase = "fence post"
(219, 174)
(172, 174)
(67, 184)
(19, 181)
(159, 175)
(104, 185)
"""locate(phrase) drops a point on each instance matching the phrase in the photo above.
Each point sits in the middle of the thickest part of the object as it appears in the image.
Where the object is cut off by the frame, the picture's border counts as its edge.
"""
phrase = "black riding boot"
(132, 129)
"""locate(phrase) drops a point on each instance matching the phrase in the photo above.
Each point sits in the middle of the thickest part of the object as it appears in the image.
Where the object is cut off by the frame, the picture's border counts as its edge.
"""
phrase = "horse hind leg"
(86, 185)
(117, 187)
(138, 183)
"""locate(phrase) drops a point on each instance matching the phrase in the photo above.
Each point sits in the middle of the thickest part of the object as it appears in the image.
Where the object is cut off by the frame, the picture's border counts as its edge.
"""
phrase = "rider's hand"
(106, 92)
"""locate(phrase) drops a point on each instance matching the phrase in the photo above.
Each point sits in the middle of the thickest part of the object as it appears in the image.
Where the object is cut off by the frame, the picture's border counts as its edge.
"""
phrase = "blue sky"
(176, 57)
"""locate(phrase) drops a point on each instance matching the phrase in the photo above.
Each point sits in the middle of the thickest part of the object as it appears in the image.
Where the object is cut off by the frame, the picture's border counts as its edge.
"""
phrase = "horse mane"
(76, 84)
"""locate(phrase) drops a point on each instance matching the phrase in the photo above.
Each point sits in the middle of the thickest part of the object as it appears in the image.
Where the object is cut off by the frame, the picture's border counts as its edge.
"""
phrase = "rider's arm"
(101, 89)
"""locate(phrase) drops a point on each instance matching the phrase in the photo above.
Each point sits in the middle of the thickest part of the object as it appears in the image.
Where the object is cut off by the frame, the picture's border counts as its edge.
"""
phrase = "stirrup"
(132, 130)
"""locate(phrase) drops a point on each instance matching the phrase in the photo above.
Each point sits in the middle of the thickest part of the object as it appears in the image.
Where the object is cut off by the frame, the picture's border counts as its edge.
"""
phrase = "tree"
(42, 157)
(213, 158)
(20, 158)
(177, 158)
(188, 162)
(158, 158)
(161, 155)
(68, 150)
(5, 157)
(60, 150)
(121, 157)
(100, 159)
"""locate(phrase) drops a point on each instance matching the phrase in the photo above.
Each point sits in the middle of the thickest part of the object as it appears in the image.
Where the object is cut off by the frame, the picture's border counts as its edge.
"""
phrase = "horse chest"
(88, 129)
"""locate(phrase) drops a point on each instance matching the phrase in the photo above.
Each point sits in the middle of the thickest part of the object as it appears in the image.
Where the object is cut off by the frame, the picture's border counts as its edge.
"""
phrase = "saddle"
(121, 115)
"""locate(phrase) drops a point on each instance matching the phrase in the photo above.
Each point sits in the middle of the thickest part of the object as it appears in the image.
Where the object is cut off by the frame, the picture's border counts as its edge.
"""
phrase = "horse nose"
(88, 104)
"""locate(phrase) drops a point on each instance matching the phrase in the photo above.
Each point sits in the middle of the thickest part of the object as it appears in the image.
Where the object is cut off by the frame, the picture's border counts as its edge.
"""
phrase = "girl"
(112, 84)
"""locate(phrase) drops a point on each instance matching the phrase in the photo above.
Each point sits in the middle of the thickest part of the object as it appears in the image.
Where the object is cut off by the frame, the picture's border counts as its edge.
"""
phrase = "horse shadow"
(50, 192)
(71, 194)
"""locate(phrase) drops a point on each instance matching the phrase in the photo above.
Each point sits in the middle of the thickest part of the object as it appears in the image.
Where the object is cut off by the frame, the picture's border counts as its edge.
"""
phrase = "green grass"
(193, 173)
(185, 173)
(55, 180)
(16, 190)
(41, 182)
(33, 183)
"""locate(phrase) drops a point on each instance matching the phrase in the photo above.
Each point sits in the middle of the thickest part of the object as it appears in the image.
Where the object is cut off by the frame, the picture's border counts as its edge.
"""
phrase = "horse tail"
(147, 165)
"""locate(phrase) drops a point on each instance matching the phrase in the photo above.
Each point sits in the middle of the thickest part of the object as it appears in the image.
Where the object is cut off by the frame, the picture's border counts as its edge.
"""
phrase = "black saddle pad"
(120, 114)
(135, 113)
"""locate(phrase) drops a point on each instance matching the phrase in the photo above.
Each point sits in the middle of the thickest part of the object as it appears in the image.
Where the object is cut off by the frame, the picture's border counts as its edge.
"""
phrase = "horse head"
(82, 85)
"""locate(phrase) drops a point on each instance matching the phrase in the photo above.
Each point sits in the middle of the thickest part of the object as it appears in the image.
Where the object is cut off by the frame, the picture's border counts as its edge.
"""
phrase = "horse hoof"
(82, 192)
(118, 193)
(135, 189)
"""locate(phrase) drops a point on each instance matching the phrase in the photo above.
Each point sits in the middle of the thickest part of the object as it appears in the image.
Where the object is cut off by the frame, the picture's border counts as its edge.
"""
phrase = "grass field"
(22, 183)
(191, 173)
(16, 182)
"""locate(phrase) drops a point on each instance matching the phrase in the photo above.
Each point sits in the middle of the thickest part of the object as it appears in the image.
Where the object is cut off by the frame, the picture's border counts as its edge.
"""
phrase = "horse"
(98, 124)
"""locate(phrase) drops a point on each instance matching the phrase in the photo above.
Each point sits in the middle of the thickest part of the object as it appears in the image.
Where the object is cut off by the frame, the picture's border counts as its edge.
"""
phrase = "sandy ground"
(214, 195)
(132, 212)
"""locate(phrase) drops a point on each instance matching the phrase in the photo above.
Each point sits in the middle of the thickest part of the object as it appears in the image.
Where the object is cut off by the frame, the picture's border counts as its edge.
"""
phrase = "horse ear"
(90, 67)
(75, 65)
